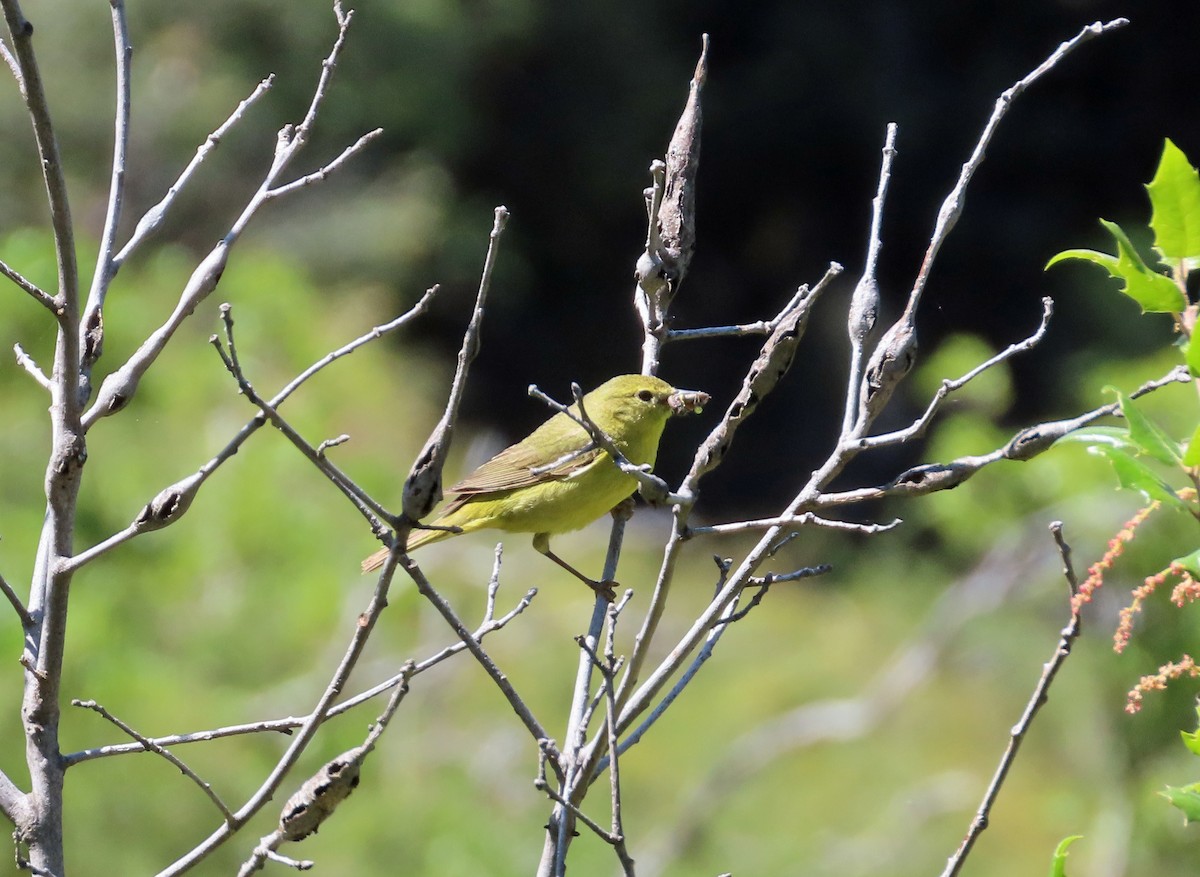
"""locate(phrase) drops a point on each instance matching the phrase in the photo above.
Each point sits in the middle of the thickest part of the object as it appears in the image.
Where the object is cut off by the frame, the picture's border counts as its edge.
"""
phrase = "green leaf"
(1175, 201)
(1186, 799)
(1104, 260)
(1133, 474)
(1156, 293)
(1110, 436)
(1191, 739)
(1148, 436)
(1058, 865)
(1191, 457)
(1190, 562)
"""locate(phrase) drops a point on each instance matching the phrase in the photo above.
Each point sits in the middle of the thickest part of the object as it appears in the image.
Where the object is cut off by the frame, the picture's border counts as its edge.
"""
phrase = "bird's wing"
(554, 451)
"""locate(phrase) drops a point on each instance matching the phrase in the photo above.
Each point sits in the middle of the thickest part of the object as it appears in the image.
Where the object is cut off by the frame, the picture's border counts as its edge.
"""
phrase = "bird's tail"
(416, 539)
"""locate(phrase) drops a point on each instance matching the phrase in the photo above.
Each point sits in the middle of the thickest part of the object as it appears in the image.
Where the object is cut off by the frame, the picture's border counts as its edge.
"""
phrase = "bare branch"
(891, 361)
(364, 625)
(444, 609)
(796, 521)
(759, 327)
(319, 795)
(49, 597)
(764, 374)
(340, 479)
(150, 746)
(29, 77)
(1026, 444)
(91, 329)
(948, 386)
(864, 303)
(14, 804)
(170, 504)
(22, 613)
(774, 358)
(543, 785)
(952, 206)
(38, 294)
(156, 215)
(323, 173)
(120, 386)
(26, 362)
(423, 486)
(1036, 700)
(671, 236)
(285, 725)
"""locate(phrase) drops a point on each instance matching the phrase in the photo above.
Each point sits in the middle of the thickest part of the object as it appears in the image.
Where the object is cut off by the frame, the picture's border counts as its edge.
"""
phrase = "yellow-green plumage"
(554, 480)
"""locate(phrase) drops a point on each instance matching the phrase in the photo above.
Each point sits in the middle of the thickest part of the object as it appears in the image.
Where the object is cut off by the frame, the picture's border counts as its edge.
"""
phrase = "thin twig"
(609, 670)
(22, 613)
(331, 471)
(864, 303)
(156, 215)
(948, 386)
(25, 361)
(321, 794)
(759, 327)
(423, 485)
(1036, 700)
(38, 294)
(952, 206)
(323, 173)
(91, 329)
(288, 724)
(151, 746)
(763, 375)
(641, 699)
(364, 625)
(121, 385)
(444, 609)
(188, 487)
(797, 521)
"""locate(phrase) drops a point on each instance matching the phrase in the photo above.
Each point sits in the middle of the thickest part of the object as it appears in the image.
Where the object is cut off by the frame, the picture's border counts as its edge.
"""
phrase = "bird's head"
(636, 399)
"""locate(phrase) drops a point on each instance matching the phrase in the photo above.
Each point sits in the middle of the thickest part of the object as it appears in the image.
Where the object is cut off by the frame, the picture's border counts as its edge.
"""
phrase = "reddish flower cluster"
(1116, 546)
(1125, 626)
(1171, 670)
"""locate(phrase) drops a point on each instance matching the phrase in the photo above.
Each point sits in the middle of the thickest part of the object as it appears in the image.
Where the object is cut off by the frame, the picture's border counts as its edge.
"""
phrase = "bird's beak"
(687, 401)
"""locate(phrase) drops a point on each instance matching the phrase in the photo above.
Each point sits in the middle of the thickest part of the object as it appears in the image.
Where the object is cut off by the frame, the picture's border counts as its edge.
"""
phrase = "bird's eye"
(645, 395)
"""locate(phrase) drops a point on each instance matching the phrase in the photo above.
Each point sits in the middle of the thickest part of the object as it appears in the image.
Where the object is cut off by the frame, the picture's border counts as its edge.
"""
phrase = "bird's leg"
(607, 590)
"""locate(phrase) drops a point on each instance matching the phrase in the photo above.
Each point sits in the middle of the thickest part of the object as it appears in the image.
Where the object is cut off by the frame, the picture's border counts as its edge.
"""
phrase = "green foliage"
(1186, 799)
(1058, 865)
(1175, 201)
(1175, 220)
(1154, 292)
(1146, 457)
(1175, 197)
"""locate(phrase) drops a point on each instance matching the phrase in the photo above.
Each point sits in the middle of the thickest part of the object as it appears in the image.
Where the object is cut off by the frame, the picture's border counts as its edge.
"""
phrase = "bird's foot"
(606, 590)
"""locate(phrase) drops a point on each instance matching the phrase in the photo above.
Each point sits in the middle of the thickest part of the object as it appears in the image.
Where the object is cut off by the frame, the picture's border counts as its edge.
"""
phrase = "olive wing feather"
(555, 450)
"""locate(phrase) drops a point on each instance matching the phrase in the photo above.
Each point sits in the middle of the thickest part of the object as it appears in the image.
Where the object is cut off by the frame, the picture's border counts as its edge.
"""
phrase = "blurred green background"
(239, 612)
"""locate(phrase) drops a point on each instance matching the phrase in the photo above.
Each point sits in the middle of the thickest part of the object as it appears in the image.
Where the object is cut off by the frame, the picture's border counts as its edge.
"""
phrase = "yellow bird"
(557, 479)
